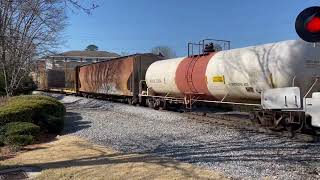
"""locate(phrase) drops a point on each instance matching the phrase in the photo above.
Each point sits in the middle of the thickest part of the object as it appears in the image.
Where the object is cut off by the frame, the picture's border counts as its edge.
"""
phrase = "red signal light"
(308, 24)
(313, 25)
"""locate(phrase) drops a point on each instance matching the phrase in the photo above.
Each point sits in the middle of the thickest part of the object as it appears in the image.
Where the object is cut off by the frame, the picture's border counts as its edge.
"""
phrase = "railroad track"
(243, 122)
(239, 121)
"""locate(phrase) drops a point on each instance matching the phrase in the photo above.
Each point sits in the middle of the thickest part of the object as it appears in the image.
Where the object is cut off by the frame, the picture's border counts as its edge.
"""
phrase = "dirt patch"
(70, 157)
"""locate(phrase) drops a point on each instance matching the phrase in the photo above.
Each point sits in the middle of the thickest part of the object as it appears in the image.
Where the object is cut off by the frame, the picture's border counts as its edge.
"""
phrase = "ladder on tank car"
(195, 52)
(189, 72)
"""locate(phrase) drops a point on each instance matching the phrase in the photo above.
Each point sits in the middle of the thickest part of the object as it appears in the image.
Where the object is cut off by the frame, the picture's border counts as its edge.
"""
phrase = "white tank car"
(160, 76)
(240, 75)
(248, 71)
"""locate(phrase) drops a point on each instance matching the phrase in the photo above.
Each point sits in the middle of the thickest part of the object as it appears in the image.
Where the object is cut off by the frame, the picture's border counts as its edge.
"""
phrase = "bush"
(20, 116)
(13, 113)
(20, 140)
(53, 124)
(41, 104)
(30, 108)
(41, 110)
(18, 133)
(21, 128)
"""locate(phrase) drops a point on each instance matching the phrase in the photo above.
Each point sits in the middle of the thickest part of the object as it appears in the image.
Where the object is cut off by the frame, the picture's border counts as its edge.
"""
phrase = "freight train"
(278, 81)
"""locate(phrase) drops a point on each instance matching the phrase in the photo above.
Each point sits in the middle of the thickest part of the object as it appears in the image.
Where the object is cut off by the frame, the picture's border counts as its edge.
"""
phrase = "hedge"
(21, 128)
(23, 117)
(20, 140)
(53, 124)
(30, 108)
(45, 104)
(19, 133)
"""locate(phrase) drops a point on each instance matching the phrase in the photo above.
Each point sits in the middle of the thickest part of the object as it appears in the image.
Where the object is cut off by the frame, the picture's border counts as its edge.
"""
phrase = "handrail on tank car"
(201, 44)
(217, 40)
(293, 81)
(311, 87)
(193, 44)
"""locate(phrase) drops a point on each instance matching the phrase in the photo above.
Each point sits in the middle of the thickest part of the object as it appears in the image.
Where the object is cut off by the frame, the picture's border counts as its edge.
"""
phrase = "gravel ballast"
(239, 154)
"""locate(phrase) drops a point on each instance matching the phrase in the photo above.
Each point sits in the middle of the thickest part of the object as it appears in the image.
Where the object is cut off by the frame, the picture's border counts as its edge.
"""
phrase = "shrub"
(21, 128)
(20, 140)
(18, 114)
(18, 133)
(41, 104)
(53, 124)
(12, 113)
(30, 108)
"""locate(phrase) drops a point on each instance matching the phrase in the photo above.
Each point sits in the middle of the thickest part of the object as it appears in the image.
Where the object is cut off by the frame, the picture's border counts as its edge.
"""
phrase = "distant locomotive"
(279, 80)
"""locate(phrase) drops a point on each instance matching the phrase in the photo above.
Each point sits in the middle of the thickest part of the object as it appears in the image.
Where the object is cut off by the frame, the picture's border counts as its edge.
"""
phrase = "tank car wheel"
(293, 127)
(163, 105)
(142, 103)
(157, 104)
(150, 103)
(257, 118)
(254, 119)
(131, 101)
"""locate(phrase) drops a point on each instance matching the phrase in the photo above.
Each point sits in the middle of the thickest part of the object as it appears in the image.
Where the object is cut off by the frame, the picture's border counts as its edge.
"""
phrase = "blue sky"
(138, 25)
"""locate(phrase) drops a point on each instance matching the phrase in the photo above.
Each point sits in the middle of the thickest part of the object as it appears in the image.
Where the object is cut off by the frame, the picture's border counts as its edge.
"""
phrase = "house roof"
(96, 54)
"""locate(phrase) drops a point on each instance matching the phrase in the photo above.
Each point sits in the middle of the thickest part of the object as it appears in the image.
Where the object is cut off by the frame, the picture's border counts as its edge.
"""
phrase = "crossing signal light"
(308, 24)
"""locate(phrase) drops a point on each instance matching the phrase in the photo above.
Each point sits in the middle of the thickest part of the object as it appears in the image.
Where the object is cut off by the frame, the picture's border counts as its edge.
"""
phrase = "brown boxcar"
(62, 77)
(119, 77)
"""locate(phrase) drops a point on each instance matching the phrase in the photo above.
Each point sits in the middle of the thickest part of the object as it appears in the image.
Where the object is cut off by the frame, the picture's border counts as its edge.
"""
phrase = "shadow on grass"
(98, 162)
(125, 163)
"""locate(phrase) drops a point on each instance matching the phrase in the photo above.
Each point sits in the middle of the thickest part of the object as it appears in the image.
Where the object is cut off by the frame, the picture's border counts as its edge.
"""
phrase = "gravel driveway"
(239, 154)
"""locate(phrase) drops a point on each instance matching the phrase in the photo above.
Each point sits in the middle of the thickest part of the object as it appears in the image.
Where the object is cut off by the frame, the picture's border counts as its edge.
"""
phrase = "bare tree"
(29, 28)
(165, 51)
(76, 4)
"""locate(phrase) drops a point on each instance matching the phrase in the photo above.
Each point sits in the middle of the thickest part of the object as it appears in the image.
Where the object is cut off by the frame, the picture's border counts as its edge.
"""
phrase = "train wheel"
(163, 105)
(294, 124)
(254, 119)
(157, 104)
(150, 103)
(142, 101)
(295, 127)
(277, 122)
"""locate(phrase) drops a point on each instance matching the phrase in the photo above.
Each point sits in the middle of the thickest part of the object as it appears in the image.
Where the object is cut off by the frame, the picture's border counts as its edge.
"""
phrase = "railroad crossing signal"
(308, 24)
